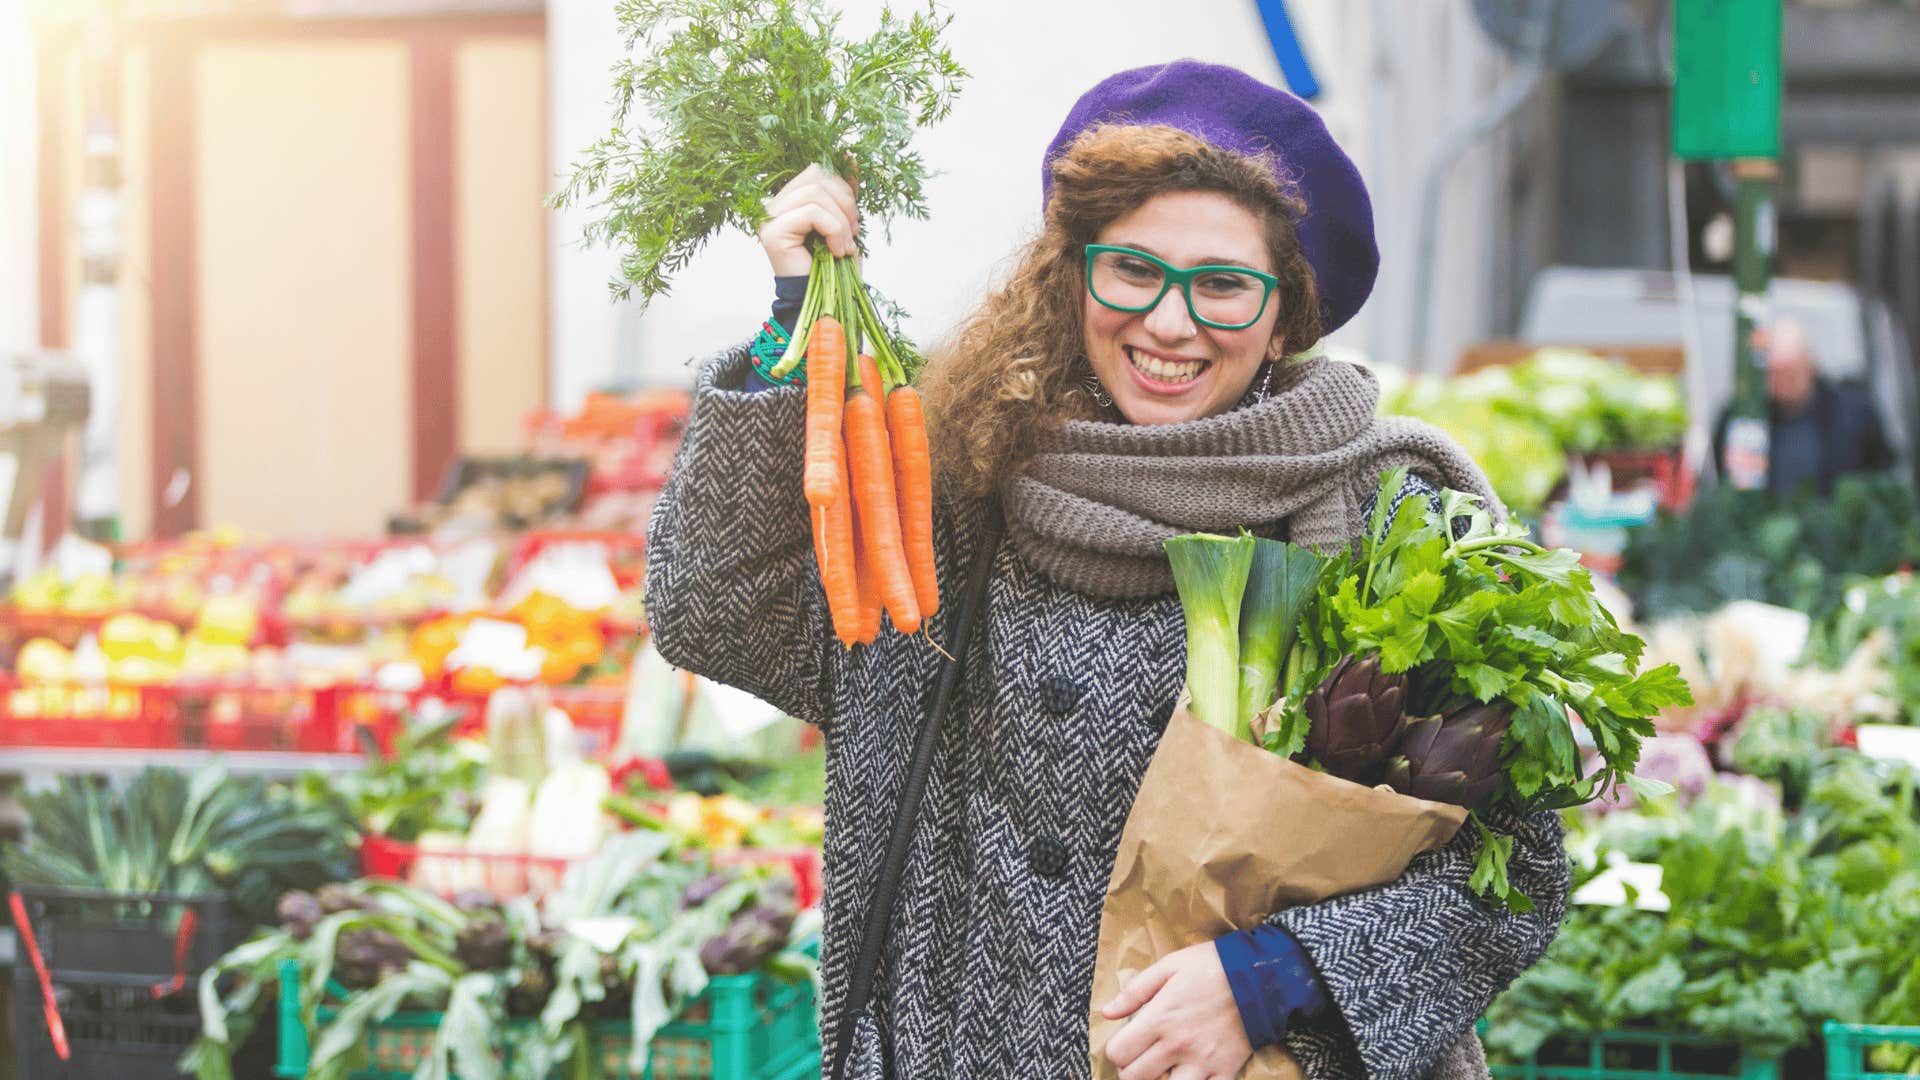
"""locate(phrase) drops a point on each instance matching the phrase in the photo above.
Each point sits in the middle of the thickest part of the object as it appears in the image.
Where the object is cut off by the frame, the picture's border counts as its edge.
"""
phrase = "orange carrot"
(869, 623)
(870, 467)
(913, 476)
(833, 547)
(826, 397)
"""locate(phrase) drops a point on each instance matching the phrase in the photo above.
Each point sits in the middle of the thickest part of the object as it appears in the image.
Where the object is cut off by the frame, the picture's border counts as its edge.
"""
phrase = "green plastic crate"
(744, 1027)
(1850, 1046)
(1640, 1055)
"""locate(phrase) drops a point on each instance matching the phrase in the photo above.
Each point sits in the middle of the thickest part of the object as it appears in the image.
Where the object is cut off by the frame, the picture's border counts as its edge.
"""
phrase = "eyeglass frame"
(1170, 275)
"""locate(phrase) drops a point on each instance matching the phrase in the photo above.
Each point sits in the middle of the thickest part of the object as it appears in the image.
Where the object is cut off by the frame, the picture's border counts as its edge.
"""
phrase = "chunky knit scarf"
(1092, 508)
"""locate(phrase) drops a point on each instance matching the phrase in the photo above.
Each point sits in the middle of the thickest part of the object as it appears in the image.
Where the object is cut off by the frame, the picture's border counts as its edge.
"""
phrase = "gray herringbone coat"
(989, 968)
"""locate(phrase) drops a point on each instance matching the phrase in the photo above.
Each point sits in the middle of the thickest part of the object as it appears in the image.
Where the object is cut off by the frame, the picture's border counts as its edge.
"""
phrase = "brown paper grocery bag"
(1224, 833)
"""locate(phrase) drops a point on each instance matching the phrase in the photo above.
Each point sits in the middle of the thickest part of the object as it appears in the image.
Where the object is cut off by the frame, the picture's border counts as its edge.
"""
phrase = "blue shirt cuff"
(788, 294)
(1273, 983)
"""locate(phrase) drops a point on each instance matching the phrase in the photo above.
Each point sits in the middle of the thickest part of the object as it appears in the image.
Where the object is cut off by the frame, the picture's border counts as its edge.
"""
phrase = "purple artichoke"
(1355, 717)
(1454, 757)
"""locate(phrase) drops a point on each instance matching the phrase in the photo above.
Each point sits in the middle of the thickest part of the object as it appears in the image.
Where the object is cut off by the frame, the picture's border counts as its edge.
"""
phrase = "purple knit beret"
(1235, 111)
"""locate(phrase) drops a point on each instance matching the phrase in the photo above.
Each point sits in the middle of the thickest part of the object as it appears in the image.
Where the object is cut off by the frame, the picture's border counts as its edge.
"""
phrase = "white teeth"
(1166, 370)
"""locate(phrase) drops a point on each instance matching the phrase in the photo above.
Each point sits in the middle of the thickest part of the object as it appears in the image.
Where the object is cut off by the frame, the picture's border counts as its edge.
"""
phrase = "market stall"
(462, 716)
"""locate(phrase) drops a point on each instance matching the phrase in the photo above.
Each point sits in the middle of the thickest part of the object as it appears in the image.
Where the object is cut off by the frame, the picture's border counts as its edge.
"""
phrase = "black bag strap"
(886, 889)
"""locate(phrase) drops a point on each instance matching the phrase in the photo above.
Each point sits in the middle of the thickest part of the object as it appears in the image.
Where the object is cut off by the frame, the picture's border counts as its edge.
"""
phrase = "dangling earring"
(1098, 392)
(1266, 381)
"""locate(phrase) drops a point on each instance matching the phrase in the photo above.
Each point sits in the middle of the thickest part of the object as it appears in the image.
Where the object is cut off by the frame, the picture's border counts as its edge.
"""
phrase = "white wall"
(1386, 98)
(19, 228)
(1430, 68)
(585, 326)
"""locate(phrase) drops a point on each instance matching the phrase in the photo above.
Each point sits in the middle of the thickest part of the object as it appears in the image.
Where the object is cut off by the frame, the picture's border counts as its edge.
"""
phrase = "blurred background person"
(1819, 428)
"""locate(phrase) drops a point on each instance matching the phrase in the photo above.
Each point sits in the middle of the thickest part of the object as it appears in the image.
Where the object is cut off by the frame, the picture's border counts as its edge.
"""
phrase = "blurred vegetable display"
(1762, 923)
(1880, 617)
(202, 834)
(635, 932)
(1801, 553)
(424, 783)
(1521, 421)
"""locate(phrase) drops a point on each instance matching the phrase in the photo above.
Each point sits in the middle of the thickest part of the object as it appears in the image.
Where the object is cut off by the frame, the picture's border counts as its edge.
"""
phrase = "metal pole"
(1746, 455)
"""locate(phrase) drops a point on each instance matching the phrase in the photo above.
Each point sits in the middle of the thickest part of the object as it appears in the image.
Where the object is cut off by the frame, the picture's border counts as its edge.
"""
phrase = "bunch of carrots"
(868, 478)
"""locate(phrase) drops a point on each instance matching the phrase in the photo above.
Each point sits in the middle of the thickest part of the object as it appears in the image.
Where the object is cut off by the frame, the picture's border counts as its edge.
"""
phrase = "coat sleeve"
(731, 588)
(1411, 965)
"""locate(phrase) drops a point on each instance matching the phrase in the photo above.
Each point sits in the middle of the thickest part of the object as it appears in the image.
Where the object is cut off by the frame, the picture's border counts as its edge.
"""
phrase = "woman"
(1102, 400)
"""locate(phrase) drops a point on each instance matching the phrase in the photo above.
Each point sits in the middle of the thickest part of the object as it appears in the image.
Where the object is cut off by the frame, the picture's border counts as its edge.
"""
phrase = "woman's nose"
(1170, 320)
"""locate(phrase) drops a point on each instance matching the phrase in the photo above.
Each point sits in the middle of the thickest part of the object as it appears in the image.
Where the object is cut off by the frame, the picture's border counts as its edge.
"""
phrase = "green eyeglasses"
(1223, 297)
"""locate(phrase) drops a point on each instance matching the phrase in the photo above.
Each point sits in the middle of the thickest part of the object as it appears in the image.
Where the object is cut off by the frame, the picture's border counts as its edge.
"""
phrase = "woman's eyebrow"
(1209, 260)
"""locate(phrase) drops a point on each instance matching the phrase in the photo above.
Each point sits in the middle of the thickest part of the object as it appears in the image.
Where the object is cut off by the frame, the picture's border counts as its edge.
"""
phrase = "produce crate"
(151, 938)
(596, 711)
(450, 872)
(20, 625)
(1640, 1055)
(209, 715)
(535, 875)
(744, 1027)
(469, 471)
(1665, 469)
(1863, 1052)
(118, 972)
(114, 1027)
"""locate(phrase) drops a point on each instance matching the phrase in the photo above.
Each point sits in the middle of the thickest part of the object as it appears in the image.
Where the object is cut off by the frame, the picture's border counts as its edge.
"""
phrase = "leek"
(1279, 586)
(1210, 573)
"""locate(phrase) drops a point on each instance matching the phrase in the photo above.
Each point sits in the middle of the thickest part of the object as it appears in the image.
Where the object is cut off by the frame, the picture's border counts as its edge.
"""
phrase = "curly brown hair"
(1016, 367)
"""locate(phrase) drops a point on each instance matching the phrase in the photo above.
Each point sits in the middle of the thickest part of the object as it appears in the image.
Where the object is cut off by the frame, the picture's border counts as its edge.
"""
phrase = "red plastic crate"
(596, 711)
(507, 876)
(226, 715)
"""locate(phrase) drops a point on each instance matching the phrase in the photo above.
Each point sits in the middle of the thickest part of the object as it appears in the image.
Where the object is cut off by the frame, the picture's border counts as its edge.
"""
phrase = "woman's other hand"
(816, 201)
(1185, 1024)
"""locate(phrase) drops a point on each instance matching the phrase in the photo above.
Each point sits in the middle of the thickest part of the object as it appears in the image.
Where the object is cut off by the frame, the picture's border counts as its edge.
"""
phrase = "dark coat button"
(1048, 857)
(1059, 694)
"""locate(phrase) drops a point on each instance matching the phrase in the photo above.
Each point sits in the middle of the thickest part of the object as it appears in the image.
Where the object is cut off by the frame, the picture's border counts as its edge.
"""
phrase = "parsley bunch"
(1500, 617)
(1474, 611)
(735, 97)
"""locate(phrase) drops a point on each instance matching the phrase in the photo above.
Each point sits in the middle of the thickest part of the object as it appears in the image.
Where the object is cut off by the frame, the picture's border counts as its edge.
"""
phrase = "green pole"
(1726, 107)
(1746, 456)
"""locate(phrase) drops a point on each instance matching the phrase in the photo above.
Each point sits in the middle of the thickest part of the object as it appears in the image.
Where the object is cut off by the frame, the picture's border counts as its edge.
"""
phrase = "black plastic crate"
(96, 932)
(115, 1028)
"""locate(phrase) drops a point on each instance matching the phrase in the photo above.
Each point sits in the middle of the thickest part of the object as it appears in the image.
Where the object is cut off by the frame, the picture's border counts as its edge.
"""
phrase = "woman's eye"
(1225, 284)
(1137, 270)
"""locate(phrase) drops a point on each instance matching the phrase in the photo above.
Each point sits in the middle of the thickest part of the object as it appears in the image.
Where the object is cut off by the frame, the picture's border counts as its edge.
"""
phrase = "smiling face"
(1160, 366)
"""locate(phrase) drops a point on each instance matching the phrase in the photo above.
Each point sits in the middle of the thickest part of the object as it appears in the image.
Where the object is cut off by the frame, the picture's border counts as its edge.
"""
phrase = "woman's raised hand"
(816, 201)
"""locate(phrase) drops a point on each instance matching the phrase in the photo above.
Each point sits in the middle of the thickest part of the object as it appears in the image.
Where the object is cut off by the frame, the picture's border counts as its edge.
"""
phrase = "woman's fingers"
(817, 186)
(1151, 1065)
(785, 237)
(829, 223)
(1138, 990)
(1190, 1072)
(1129, 1043)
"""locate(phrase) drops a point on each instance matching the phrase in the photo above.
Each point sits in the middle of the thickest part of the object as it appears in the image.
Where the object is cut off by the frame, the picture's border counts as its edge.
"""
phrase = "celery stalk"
(1210, 573)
